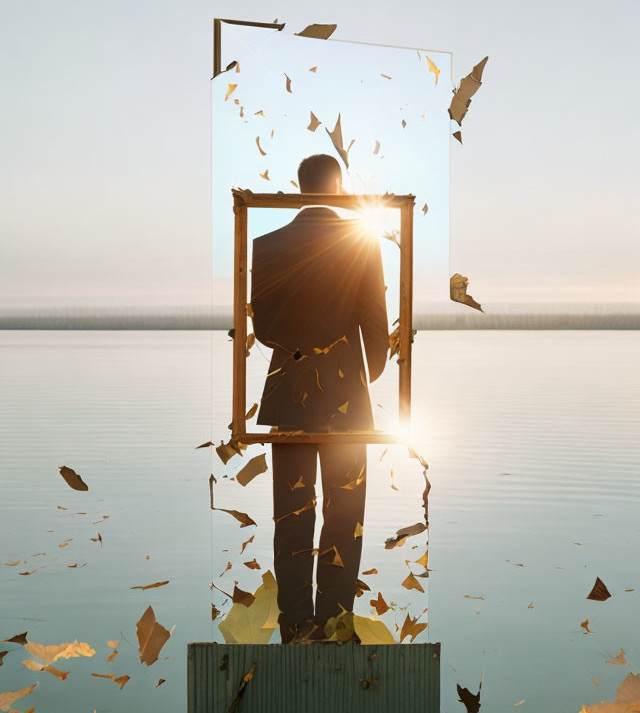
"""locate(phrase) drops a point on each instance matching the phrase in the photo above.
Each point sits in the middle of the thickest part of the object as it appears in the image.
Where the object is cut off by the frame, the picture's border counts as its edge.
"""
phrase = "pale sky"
(105, 168)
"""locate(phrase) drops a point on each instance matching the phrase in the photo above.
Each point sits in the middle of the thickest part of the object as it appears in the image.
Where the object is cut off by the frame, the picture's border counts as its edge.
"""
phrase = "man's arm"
(372, 310)
(265, 300)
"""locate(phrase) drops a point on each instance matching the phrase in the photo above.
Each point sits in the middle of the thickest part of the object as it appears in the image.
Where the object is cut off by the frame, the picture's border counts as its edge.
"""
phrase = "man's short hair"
(317, 173)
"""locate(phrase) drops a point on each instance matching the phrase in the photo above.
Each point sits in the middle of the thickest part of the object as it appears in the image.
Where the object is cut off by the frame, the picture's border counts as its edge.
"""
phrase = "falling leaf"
(49, 654)
(358, 531)
(458, 291)
(309, 506)
(161, 680)
(248, 542)
(619, 659)
(72, 478)
(412, 583)
(344, 407)
(519, 703)
(379, 604)
(462, 95)
(433, 68)
(425, 208)
(599, 593)
(313, 69)
(272, 132)
(13, 564)
(265, 175)
(215, 612)
(254, 624)
(264, 153)
(595, 682)
(585, 625)
(253, 468)
(336, 561)
(9, 697)
(353, 484)
(241, 517)
(151, 586)
(293, 183)
(393, 485)
(404, 124)
(2, 655)
(457, 135)
(530, 606)
(288, 84)
(97, 539)
(326, 350)
(386, 76)
(411, 628)
(371, 571)
(298, 484)
(403, 534)
(230, 90)
(259, 113)
(151, 637)
(470, 700)
(319, 32)
(361, 587)
(314, 123)
(377, 148)
(17, 639)
(468, 596)
(336, 138)
(26, 574)
(251, 412)
(226, 451)
(252, 565)
(241, 597)
(120, 681)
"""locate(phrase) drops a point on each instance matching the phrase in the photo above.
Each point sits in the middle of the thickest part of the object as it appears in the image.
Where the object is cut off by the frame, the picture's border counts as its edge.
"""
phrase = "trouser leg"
(293, 533)
(343, 509)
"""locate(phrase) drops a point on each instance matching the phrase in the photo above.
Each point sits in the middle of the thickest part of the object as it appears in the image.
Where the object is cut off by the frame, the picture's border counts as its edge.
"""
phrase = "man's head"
(320, 173)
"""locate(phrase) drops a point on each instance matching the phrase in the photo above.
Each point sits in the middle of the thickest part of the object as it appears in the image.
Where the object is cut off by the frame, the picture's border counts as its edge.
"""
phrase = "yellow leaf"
(48, 654)
(458, 285)
(313, 69)
(433, 68)
(344, 407)
(254, 624)
(412, 583)
(371, 631)
(230, 90)
(358, 531)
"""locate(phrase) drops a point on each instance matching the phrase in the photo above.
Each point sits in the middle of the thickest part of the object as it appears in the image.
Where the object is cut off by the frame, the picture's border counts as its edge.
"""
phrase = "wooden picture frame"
(244, 199)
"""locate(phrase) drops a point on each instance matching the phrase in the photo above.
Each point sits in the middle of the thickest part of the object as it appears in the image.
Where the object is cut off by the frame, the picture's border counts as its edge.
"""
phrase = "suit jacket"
(316, 283)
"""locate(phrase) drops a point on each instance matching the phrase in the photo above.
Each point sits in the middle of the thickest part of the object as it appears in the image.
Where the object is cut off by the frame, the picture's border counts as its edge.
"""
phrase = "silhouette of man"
(316, 285)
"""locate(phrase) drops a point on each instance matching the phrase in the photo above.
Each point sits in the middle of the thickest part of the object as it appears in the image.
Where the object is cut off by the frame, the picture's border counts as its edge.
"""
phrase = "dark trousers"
(294, 478)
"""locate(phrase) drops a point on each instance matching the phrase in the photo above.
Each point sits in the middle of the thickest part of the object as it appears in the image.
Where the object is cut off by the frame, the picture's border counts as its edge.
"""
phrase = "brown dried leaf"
(314, 123)
(264, 153)
(336, 138)
(151, 637)
(162, 680)
(17, 639)
(9, 697)
(265, 175)
(248, 542)
(361, 587)
(252, 565)
(619, 659)
(251, 412)
(309, 506)
(344, 407)
(72, 479)
(585, 625)
(370, 571)
(253, 468)
(425, 209)
(226, 451)
(241, 517)
(288, 84)
(462, 95)
(151, 586)
(319, 32)
(242, 597)
(411, 628)
(120, 681)
(298, 484)
(470, 700)
(379, 604)
(458, 285)
(412, 583)
(599, 593)
(457, 135)
(2, 655)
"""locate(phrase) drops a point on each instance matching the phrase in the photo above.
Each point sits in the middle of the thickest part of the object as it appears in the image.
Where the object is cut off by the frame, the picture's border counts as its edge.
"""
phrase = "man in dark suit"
(317, 284)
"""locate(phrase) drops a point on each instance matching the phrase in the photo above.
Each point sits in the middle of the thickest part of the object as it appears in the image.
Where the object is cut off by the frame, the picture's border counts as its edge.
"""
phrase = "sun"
(377, 219)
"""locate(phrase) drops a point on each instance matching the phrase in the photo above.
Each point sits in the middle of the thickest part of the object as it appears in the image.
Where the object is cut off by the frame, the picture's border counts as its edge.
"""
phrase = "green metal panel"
(313, 678)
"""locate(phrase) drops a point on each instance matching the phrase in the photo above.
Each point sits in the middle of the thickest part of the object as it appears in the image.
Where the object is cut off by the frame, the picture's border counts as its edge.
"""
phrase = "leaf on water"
(252, 565)
(336, 138)
(411, 628)
(412, 583)
(9, 697)
(457, 135)
(627, 698)
(265, 175)
(358, 531)
(262, 151)
(26, 574)
(319, 32)
(48, 654)
(248, 542)
(35, 666)
(353, 484)
(151, 637)
(241, 517)
(371, 631)
(272, 132)
(379, 604)
(17, 639)
(462, 95)
(251, 412)
(619, 659)
(13, 564)
(433, 68)
(370, 571)
(288, 84)
(403, 533)
(458, 285)
(230, 90)
(151, 586)
(97, 539)
(309, 506)
(585, 625)
(344, 407)
(471, 700)
(599, 593)
(468, 596)
(298, 484)
(72, 479)
(530, 606)
(254, 624)
(253, 468)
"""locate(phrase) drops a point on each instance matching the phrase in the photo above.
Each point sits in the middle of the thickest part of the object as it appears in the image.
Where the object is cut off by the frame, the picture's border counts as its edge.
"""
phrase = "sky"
(105, 137)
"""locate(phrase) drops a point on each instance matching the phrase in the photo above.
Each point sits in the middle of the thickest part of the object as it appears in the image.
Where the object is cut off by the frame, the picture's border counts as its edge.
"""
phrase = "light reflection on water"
(532, 444)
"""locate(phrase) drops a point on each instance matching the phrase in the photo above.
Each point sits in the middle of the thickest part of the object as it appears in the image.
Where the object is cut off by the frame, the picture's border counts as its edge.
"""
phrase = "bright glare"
(378, 221)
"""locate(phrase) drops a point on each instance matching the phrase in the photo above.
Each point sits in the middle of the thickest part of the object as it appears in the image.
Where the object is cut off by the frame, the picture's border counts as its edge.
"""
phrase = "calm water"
(532, 440)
